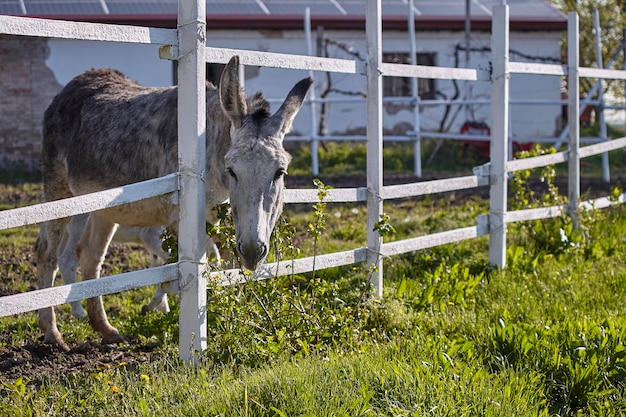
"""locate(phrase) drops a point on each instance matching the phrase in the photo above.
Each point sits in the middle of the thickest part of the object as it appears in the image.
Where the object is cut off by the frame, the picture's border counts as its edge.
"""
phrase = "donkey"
(104, 130)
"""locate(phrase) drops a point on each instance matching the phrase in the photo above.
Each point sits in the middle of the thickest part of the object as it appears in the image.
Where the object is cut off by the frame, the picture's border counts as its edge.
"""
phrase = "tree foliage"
(612, 24)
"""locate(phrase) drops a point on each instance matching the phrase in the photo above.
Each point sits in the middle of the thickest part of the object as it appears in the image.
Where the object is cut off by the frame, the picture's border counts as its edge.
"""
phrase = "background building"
(33, 70)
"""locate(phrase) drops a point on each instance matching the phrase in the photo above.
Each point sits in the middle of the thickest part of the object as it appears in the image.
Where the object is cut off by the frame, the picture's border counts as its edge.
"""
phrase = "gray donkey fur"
(104, 130)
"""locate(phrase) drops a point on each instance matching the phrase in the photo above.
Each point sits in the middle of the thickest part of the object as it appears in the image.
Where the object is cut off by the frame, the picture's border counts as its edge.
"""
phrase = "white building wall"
(69, 58)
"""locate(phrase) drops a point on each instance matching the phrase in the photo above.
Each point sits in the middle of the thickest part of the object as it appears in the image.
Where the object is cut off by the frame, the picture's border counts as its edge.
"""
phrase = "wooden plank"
(535, 213)
(435, 239)
(534, 68)
(455, 136)
(49, 297)
(602, 73)
(88, 202)
(603, 202)
(296, 266)
(429, 187)
(335, 195)
(424, 71)
(275, 60)
(602, 147)
(537, 161)
(290, 61)
(47, 28)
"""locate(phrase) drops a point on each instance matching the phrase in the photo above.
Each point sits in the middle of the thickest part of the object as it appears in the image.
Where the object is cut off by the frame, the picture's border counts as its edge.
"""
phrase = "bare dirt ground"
(36, 362)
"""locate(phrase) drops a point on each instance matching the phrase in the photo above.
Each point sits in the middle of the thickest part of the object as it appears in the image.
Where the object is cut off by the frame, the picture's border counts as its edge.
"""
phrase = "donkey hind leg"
(151, 238)
(68, 261)
(159, 302)
(212, 252)
(46, 247)
(91, 251)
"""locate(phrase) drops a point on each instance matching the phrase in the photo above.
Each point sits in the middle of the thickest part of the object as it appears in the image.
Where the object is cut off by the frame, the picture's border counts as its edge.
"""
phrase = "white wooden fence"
(187, 45)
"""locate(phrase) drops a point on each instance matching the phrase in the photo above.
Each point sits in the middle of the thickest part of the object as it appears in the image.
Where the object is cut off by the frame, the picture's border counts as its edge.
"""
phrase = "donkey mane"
(258, 108)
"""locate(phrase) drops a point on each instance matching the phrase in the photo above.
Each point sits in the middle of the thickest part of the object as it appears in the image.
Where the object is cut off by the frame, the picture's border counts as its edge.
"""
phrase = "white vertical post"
(606, 176)
(191, 159)
(499, 135)
(373, 28)
(315, 165)
(624, 66)
(417, 145)
(573, 115)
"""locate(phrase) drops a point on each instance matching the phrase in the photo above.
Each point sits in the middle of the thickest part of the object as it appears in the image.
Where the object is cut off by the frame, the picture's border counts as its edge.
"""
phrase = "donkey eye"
(279, 173)
(232, 173)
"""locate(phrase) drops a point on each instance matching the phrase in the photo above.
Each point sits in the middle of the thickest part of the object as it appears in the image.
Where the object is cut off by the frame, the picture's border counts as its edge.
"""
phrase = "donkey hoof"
(113, 339)
(77, 310)
(79, 314)
(54, 338)
(163, 306)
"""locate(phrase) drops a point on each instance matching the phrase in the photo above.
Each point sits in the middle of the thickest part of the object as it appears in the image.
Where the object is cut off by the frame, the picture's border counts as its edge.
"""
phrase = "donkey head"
(256, 162)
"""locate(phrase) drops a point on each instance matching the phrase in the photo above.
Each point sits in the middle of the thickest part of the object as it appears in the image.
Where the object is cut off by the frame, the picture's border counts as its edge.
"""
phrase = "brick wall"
(27, 87)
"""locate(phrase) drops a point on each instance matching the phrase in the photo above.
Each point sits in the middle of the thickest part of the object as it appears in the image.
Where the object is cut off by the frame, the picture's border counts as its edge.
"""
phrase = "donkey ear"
(290, 107)
(231, 97)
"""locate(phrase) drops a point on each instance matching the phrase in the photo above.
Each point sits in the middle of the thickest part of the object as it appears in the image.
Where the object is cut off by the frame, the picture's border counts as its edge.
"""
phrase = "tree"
(612, 23)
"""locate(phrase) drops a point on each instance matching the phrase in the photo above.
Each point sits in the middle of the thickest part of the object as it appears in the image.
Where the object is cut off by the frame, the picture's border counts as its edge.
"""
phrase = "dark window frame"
(401, 86)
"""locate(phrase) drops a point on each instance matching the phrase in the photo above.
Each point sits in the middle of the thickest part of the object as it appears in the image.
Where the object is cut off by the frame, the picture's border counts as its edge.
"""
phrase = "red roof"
(289, 14)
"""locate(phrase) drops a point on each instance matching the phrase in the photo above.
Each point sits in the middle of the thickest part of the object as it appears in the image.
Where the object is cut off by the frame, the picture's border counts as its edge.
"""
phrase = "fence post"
(499, 135)
(315, 164)
(191, 159)
(606, 173)
(373, 28)
(573, 115)
(417, 128)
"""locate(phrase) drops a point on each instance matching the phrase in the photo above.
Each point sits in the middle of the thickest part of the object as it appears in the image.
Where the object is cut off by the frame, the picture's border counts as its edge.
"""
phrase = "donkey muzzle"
(252, 253)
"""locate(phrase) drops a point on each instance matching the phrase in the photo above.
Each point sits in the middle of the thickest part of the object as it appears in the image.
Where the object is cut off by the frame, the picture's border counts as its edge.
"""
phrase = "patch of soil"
(36, 362)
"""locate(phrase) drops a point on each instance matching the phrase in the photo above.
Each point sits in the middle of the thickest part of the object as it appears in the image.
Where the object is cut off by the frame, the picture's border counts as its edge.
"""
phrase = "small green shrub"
(547, 237)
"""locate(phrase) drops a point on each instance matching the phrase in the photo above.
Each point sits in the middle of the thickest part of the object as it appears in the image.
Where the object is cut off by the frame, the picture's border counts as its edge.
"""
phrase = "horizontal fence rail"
(537, 69)
(53, 296)
(292, 266)
(87, 203)
(273, 60)
(63, 29)
(423, 71)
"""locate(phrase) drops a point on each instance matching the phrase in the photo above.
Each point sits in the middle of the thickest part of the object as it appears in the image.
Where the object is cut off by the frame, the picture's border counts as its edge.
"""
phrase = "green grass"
(349, 158)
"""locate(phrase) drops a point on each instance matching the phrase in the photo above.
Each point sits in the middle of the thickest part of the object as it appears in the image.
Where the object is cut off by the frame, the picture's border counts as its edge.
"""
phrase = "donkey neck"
(217, 144)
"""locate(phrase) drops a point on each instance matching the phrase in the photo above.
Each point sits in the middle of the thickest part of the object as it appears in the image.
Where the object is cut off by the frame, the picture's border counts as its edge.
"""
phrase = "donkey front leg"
(91, 251)
(46, 248)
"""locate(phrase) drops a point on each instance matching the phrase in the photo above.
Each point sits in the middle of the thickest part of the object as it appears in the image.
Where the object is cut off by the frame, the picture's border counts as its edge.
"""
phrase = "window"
(401, 86)
(213, 73)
